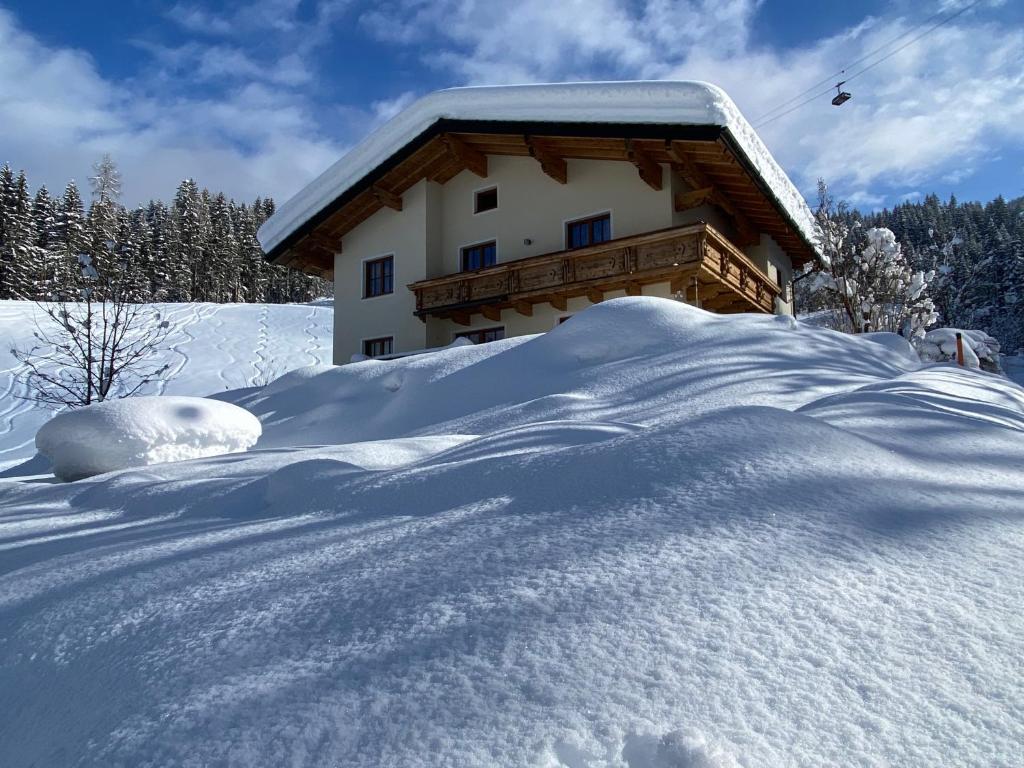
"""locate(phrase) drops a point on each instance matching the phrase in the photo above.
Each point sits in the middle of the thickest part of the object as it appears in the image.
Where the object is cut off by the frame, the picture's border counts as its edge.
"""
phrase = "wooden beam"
(553, 165)
(559, 303)
(387, 197)
(595, 296)
(462, 318)
(328, 244)
(650, 171)
(633, 289)
(491, 313)
(685, 166)
(746, 233)
(686, 200)
(469, 157)
(524, 308)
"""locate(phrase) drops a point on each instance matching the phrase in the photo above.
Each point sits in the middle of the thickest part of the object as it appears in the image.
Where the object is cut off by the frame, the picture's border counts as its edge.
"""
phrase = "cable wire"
(763, 122)
(830, 79)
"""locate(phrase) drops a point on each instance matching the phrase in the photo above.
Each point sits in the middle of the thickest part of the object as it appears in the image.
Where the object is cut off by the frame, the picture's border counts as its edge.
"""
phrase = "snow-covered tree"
(869, 279)
(189, 236)
(71, 240)
(20, 260)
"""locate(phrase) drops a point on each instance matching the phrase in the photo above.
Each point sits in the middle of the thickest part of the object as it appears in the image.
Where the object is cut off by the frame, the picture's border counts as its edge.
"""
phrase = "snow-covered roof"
(655, 102)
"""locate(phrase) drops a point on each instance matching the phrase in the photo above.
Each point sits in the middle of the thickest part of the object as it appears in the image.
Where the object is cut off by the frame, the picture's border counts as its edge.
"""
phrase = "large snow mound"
(136, 431)
(629, 359)
(641, 101)
(652, 537)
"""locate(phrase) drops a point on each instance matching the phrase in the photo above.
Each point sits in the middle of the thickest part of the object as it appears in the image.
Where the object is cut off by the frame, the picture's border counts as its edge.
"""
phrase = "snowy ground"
(651, 537)
(214, 347)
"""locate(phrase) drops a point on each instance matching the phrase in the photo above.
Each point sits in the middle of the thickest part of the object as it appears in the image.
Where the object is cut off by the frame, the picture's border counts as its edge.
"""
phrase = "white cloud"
(938, 107)
(238, 104)
(59, 114)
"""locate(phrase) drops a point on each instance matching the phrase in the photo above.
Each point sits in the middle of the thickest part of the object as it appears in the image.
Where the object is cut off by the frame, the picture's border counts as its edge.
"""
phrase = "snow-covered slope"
(213, 347)
(679, 540)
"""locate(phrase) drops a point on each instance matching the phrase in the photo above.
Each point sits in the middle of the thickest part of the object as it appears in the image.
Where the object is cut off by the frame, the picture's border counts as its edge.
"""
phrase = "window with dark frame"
(479, 256)
(483, 336)
(596, 229)
(378, 347)
(378, 277)
(485, 200)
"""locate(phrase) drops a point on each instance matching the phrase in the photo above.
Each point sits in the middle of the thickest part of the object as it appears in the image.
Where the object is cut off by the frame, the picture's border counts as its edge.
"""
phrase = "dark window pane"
(479, 256)
(378, 347)
(379, 277)
(589, 231)
(483, 336)
(486, 200)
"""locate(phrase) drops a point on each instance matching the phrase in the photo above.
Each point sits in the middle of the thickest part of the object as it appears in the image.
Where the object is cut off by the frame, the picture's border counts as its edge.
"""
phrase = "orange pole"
(959, 349)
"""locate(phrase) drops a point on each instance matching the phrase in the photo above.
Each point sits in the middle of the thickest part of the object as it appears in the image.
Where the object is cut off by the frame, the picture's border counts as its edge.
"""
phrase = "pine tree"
(189, 235)
(224, 279)
(70, 240)
(20, 261)
(163, 266)
(44, 213)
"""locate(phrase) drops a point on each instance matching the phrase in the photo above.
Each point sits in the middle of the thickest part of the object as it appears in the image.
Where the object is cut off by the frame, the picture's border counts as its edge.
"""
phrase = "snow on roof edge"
(662, 102)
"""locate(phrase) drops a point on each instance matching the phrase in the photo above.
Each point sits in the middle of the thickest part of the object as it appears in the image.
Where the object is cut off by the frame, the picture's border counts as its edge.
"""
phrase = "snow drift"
(651, 537)
(136, 431)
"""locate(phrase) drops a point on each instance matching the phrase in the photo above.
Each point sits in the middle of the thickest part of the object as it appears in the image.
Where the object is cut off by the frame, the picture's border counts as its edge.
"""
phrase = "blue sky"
(258, 97)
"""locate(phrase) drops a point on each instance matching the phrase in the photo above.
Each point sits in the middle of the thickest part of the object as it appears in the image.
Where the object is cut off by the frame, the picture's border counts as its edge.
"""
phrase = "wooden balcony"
(697, 261)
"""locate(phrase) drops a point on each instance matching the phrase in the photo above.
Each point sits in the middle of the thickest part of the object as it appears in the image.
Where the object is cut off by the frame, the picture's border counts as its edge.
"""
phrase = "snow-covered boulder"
(980, 349)
(136, 431)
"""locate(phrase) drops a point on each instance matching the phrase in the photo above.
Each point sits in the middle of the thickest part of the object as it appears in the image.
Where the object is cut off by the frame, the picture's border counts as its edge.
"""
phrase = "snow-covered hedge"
(136, 431)
(980, 349)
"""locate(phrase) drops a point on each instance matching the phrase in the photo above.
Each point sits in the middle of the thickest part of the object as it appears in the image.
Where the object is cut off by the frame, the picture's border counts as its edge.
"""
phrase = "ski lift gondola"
(841, 96)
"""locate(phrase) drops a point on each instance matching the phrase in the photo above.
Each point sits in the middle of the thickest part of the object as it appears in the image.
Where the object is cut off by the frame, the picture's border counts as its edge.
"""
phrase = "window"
(479, 256)
(482, 336)
(378, 347)
(485, 200)
(596, 229)
(378, 277)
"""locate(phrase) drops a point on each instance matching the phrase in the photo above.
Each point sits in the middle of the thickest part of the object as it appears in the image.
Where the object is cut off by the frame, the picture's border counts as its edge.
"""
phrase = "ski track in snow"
(16, 406)
(261, 363)
(196, 314)
(221, 344)
(313, 339)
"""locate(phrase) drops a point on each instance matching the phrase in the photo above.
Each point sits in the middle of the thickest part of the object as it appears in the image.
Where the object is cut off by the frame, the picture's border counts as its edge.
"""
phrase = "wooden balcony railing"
(696, 260)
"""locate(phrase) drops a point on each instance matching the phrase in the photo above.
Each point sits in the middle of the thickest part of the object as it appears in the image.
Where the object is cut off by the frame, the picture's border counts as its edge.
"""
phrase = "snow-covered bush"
(980, 349)
(867, 277)
(133, 432)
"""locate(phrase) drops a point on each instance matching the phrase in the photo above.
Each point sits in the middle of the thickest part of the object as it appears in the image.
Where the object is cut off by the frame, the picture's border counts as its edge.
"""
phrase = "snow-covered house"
(500, 211)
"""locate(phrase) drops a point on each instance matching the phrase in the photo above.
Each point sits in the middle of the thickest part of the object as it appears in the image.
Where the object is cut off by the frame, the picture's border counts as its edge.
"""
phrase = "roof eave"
(703, 132)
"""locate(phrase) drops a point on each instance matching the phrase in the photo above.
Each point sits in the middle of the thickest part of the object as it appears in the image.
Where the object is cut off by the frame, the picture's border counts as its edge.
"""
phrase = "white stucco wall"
(533, 206)
(399, 233)
(436, 222)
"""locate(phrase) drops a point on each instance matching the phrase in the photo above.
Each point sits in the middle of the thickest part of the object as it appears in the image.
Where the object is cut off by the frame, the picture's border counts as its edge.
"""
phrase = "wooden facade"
(704, 156)
(696, 260)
